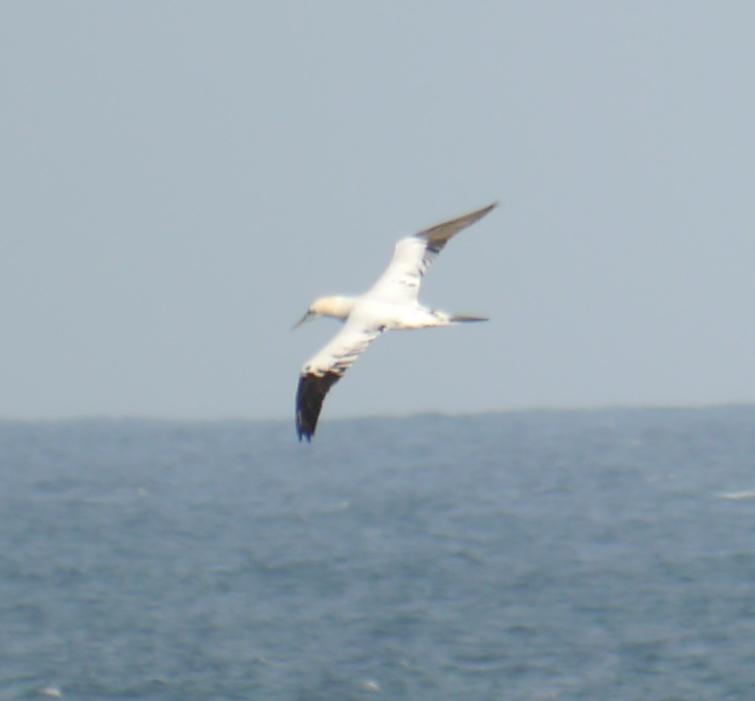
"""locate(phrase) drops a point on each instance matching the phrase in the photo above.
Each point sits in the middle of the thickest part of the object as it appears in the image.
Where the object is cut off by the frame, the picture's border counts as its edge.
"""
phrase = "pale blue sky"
(180, 179)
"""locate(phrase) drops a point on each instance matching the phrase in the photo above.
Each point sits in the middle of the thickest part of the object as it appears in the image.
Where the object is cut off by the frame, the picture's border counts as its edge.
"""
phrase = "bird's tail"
(466, 317)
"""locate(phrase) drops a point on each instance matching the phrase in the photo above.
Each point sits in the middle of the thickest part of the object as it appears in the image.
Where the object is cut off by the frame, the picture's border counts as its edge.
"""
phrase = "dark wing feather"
(310, 395)
(323, 370)
(439, 235)
(413, 255)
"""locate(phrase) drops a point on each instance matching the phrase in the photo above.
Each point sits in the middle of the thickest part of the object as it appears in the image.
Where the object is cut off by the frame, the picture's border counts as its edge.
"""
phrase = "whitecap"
(370, 685)
(741, 495)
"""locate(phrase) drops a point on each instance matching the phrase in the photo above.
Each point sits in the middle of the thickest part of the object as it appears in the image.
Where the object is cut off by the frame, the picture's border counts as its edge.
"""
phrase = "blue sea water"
(519, 556)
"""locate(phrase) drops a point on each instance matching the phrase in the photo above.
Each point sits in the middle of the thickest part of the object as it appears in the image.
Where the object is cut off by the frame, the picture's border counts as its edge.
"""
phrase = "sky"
(180, 179)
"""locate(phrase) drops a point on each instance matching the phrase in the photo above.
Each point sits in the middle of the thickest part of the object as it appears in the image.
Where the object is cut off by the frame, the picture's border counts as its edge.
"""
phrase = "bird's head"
(337, 307)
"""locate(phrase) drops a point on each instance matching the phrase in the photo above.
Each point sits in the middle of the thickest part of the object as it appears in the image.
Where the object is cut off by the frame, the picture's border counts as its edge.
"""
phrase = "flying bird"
(391, 303)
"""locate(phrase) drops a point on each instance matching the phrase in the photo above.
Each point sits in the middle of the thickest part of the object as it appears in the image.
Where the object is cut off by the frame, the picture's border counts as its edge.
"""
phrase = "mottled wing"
(322, 371)
(413, 255)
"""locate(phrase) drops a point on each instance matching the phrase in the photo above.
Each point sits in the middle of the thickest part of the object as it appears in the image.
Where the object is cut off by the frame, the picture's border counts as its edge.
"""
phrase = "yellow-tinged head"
(337, 306)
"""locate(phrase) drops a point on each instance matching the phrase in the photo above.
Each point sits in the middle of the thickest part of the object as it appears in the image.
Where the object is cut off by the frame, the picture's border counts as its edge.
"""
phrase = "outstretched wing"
(322, 371)
(414, 254)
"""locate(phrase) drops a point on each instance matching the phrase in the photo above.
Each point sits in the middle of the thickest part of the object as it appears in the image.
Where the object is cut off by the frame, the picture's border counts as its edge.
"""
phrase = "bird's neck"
(338, 306)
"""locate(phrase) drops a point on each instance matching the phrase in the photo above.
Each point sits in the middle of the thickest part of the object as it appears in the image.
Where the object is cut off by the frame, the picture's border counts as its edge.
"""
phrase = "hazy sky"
(179, 180)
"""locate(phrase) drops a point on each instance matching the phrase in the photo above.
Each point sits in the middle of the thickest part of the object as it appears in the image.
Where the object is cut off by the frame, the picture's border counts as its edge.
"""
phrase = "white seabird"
(391, 303)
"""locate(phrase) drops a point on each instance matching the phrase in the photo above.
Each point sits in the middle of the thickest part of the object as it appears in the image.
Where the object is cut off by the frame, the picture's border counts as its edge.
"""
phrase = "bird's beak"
(306, 317)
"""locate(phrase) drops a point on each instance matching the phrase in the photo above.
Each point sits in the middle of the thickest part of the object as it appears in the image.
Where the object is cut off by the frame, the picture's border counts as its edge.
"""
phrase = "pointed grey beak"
(306, 317)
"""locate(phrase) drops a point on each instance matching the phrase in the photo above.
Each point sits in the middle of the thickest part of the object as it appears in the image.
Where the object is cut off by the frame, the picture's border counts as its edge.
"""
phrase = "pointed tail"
(466, 317)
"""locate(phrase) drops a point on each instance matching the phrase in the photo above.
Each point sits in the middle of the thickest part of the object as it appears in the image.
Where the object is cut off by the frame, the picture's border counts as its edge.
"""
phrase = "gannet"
(391, 303)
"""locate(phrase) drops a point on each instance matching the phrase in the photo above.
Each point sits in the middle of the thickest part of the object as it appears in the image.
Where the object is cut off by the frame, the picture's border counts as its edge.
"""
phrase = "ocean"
(539, 556)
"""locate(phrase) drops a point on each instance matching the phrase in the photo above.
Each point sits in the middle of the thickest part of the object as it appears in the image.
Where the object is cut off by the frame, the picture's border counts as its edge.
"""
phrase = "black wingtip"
(309, 398)
(437, 236)
(304, 434)
(480, 213)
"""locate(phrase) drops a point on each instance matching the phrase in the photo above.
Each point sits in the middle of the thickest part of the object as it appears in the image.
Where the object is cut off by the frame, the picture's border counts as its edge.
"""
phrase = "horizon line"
(586, 408)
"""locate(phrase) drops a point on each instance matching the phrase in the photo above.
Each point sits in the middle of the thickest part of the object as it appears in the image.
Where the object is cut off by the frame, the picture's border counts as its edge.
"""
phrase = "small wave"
(742, 495)
(370, 685)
